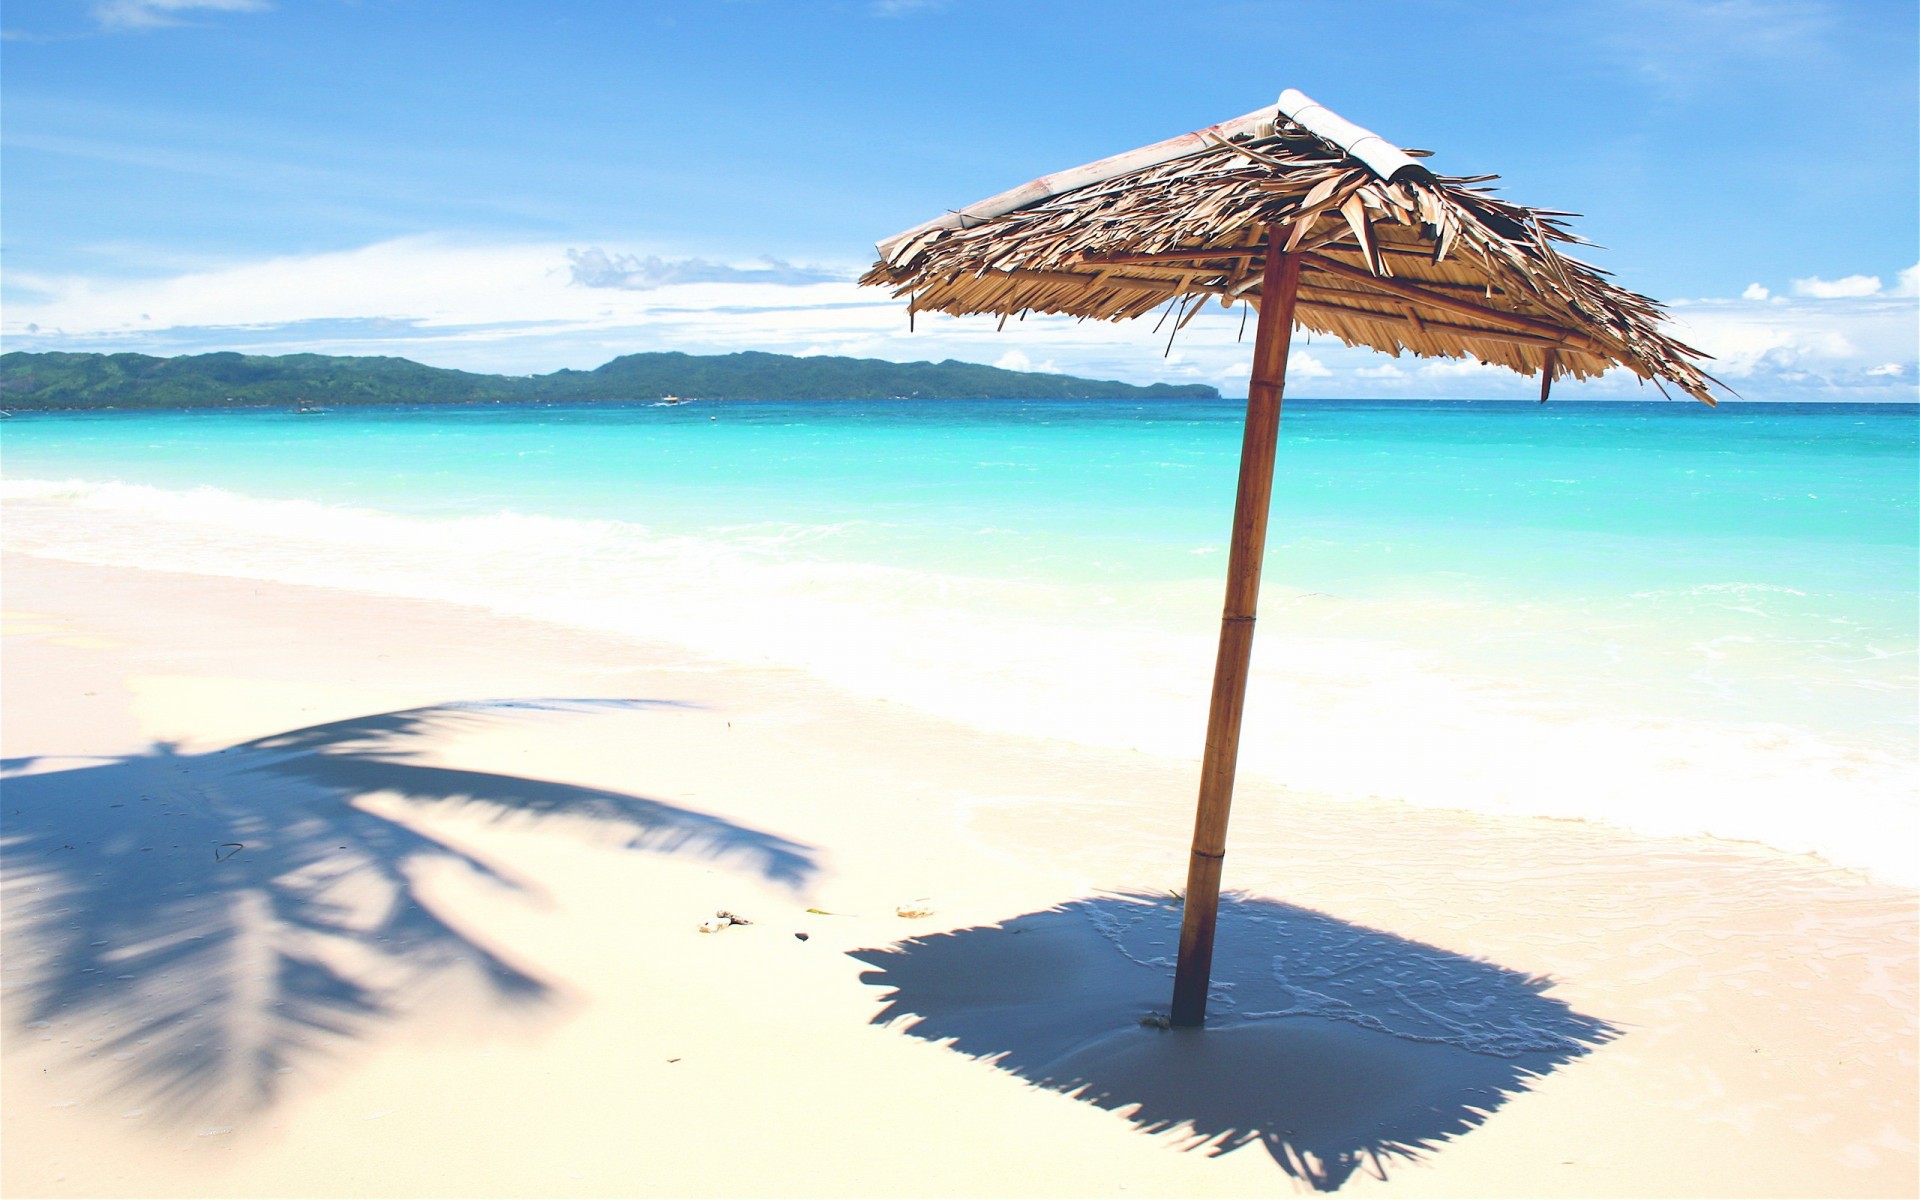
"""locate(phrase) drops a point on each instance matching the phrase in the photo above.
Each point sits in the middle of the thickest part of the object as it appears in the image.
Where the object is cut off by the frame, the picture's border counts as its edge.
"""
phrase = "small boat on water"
(303, 409)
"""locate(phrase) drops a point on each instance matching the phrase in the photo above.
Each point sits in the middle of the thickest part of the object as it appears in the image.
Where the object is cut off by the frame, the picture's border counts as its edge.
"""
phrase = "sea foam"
(1338, 705)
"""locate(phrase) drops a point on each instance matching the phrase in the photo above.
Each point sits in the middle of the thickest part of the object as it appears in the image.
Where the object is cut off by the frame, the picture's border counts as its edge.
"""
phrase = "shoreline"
(1433, 711)
(594, 1043)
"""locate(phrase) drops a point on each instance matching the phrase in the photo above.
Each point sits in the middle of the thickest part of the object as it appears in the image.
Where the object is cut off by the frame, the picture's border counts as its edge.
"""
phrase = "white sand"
(455, 951)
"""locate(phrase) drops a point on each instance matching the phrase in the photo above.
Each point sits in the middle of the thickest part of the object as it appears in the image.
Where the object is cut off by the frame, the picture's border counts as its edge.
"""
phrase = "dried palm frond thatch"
(1391, 255)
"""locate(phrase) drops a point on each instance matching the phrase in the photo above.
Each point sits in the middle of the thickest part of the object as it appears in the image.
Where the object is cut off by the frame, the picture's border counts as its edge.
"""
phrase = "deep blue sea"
(1674, 618)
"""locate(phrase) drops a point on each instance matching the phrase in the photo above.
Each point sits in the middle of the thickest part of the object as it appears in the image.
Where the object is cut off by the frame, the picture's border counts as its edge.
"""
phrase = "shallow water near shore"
(1671, 618)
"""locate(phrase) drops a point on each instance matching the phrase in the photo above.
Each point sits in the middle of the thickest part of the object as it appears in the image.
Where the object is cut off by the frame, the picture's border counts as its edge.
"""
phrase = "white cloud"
(1458, 368)
(1833, 343)
(1907, 283)
(523, 307)
(1837, 289)
(526, 307)
(156, 14)
(432, 292)
(1301, 365)
(1755, 292)
(1682, 47)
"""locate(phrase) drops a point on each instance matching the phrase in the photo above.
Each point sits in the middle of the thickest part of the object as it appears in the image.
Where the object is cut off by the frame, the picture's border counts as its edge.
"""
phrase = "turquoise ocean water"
(1673, 618)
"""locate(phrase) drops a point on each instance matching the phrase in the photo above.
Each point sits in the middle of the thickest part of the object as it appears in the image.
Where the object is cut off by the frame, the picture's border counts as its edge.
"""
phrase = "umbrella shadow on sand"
(198, 924)
(1336, 1047)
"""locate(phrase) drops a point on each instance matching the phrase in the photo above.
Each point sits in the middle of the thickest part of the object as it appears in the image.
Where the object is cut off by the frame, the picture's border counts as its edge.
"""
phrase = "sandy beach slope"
(318, 893)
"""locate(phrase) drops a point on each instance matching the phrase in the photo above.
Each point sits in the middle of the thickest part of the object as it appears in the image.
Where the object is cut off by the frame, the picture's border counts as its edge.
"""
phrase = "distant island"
(57, 380)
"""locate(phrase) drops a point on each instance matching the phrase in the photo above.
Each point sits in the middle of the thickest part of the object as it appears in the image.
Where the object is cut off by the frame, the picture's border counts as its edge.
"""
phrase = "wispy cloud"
(902, 8)
(157, 14)
(595, 268)
(1680, 46)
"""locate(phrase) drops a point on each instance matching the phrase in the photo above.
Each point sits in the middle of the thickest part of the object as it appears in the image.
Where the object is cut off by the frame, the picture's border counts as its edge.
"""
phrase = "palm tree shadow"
(204, 922)
(1336, 1047)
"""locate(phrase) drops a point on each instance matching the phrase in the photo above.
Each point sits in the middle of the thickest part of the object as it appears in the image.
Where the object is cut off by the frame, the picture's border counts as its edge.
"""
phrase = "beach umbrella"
(1314, 222)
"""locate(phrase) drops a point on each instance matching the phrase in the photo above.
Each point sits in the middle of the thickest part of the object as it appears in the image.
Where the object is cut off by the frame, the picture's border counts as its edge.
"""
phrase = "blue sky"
(521, 187)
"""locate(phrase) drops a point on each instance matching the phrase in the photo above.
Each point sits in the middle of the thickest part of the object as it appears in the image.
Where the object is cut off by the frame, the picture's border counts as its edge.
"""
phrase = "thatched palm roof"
(1393, 256)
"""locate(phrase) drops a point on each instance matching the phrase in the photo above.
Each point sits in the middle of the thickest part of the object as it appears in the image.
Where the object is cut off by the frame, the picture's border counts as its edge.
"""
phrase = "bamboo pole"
(1279, 286)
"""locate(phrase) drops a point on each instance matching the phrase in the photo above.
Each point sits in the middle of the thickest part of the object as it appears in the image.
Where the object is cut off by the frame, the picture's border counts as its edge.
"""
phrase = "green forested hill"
(59, 380)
